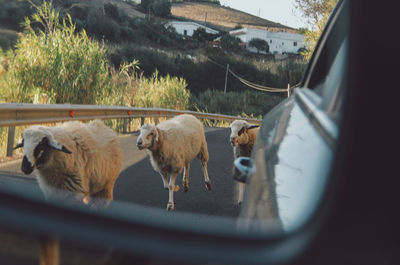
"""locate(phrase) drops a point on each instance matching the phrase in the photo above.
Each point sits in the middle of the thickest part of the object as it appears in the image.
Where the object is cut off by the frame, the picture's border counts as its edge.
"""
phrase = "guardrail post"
(141, 121)
(10, 141)
(156, 121)
(125, 126)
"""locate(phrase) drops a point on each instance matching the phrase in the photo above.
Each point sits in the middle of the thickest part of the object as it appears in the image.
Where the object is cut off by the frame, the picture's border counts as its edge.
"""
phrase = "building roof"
(192, 23)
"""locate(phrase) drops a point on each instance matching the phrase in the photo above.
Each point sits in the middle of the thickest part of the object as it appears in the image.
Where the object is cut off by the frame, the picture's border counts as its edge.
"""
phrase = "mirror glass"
(242, 62)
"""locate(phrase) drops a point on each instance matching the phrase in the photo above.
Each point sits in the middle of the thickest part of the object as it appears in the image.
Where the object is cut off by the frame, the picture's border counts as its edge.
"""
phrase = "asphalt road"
(140, 184)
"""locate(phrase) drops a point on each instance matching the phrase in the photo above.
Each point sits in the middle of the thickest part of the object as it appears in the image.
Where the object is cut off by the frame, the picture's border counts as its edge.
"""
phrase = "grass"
(221, 17)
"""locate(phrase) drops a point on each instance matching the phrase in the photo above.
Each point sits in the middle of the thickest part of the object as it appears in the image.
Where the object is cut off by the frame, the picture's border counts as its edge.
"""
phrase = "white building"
(279, 42)
(187, 28)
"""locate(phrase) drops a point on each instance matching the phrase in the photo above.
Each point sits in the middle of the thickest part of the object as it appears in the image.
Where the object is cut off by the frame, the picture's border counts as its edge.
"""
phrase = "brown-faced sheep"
(79, 161)
(172, 145)
(242, 138)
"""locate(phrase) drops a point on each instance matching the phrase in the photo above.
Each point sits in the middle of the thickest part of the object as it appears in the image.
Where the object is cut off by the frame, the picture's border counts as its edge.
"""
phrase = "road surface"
(139, 183)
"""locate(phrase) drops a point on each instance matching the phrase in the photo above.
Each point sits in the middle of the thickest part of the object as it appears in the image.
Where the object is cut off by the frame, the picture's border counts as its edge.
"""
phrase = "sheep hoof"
(176, 188)
(208, 186)
(239, 203)
(170, 206)
(185, 188)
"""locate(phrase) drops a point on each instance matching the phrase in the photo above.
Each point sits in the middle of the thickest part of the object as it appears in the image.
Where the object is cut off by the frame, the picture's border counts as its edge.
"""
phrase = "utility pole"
(226, 77)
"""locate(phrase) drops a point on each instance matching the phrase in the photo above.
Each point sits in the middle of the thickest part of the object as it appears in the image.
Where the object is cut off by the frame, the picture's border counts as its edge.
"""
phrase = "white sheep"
(242, 138)
(172, 145)
(82, 161)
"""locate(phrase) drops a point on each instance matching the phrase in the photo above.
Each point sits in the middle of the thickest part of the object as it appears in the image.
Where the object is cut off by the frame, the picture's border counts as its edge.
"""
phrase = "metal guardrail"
(14, 114)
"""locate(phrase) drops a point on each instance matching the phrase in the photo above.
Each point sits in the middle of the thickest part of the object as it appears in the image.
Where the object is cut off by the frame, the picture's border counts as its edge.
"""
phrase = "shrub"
(230, 43)
(55, 61)
(252, 103)
(259, 44)
(162, 92)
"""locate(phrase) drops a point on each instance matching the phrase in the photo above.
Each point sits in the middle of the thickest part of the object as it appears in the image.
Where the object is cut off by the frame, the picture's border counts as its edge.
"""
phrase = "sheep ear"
(20, 145)
(57, 146)
(252, 127)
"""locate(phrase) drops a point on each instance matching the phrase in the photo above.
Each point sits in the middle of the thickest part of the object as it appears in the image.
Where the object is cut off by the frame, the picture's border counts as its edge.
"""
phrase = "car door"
(296, 144)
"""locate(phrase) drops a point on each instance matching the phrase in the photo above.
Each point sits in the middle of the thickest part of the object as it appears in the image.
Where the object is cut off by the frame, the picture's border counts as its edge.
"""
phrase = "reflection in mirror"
(150, 168)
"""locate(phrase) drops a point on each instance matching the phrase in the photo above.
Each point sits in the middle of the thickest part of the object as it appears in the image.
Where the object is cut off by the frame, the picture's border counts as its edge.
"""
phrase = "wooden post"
(226, 77)
(10, 142)
(141, 121)
(288, 90)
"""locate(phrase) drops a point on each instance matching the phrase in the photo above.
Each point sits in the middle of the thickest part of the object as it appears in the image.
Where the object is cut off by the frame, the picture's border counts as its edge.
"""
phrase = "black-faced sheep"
(242, 138)
(172, 145)
(79, 161)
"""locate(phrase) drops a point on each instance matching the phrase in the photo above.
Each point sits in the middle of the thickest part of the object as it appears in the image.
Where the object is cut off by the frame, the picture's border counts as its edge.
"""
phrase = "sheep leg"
(102, 199)
(49, 251)
(164, 177)
(172, 188)
(186, 177)
(206, 178)
(241, 193)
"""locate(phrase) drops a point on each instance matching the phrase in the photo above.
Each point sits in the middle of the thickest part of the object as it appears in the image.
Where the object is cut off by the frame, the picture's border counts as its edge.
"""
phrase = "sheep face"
(239, 134)
(147, 137)
(37, 141)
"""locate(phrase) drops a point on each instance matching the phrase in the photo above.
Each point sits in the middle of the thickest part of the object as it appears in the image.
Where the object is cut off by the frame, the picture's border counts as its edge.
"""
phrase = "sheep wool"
(80, 160)
(242, 138)
(172, 145)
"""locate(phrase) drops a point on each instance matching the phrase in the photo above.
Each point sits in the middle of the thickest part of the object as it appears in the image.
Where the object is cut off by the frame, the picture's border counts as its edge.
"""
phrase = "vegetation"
(249, 102)
(160, 8)
(206, 71)
(316, 13)
(259, 44)
(55, 62)
(165, 92)
(220, 17)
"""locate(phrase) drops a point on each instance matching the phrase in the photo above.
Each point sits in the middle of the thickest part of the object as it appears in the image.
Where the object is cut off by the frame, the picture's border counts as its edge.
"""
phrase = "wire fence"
(251, 84)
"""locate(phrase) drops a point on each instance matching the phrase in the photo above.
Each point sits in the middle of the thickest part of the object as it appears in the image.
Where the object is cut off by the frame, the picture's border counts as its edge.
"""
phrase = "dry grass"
(223, 18)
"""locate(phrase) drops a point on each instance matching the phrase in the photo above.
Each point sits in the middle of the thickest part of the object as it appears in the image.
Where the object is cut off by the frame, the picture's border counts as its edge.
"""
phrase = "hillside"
(122, 5)
(223, 18)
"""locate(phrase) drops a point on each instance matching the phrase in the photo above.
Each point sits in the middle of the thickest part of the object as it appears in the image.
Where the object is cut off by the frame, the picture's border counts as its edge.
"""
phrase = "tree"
(230, 43)
(259, 44)
(201, 35)
(316, 13)
(161, 8)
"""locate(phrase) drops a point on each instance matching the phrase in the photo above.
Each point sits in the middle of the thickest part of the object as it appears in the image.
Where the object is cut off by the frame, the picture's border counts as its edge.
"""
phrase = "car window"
(104, 106)
(326, 52)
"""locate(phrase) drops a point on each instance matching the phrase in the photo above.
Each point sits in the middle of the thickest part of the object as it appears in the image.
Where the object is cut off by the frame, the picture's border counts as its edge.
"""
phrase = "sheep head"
(239, 130)
(37, 141)
(148, 137)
